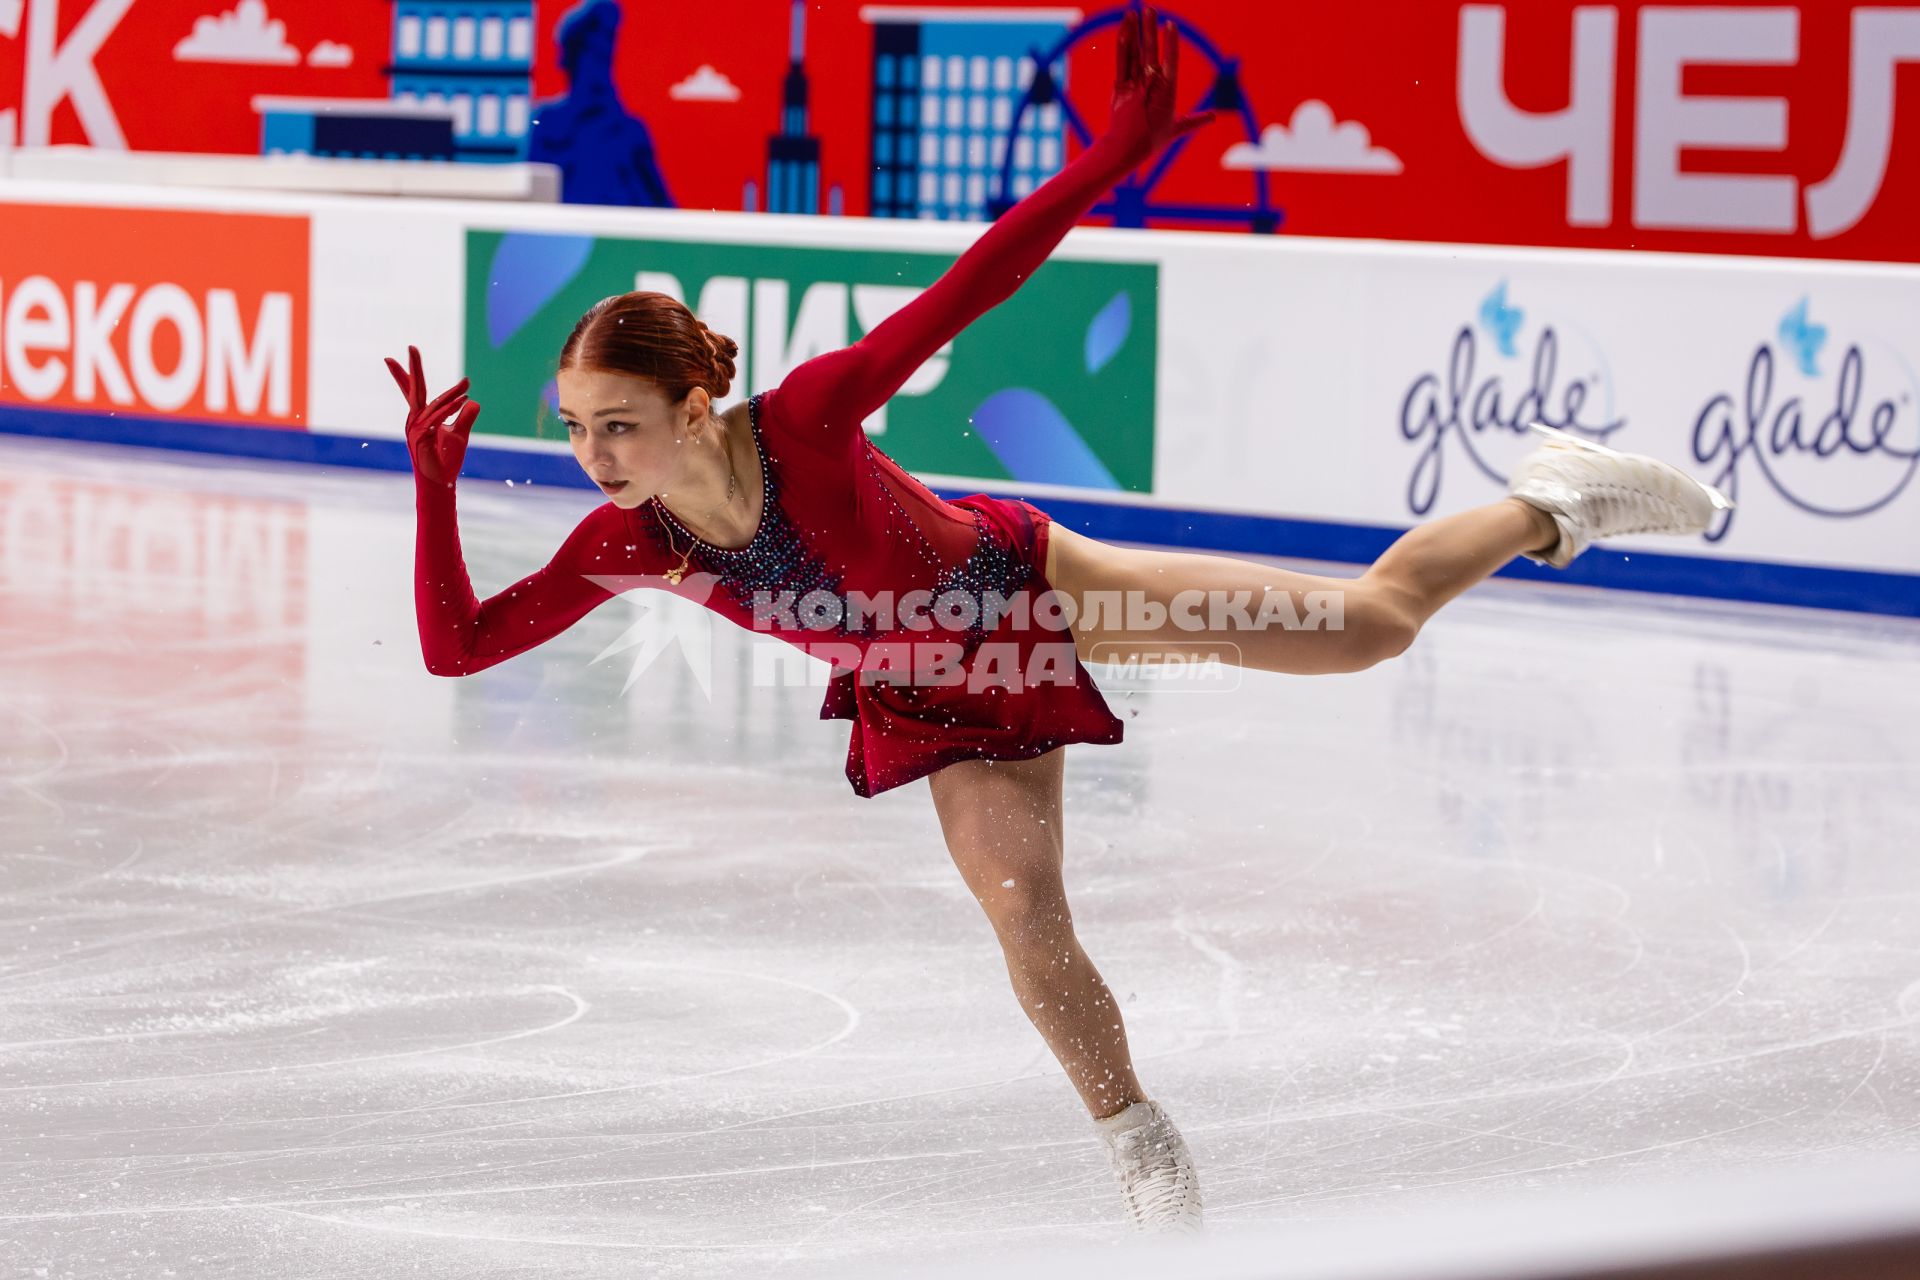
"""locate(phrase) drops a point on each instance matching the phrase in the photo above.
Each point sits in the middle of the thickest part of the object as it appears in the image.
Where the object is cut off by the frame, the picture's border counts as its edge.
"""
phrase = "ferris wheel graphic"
(1132, 203)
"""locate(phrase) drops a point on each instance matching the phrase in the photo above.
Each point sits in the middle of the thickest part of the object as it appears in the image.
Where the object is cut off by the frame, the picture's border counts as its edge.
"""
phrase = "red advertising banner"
(177, 75)
(1733, 127)
(154, 311)
(1789, 129)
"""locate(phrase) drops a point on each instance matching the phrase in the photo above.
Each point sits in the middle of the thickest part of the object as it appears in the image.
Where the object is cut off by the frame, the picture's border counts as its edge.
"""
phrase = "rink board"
(1282, 396)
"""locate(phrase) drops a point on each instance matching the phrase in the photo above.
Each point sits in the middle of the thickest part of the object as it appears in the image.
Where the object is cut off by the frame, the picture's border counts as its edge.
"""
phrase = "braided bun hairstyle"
(653, 336)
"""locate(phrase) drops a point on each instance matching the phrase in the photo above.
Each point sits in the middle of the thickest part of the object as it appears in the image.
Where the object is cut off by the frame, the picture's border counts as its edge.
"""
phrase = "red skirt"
(903, 731)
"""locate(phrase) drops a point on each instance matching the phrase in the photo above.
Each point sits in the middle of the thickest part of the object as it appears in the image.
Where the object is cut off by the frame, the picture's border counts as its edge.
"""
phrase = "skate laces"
(1156, 1181)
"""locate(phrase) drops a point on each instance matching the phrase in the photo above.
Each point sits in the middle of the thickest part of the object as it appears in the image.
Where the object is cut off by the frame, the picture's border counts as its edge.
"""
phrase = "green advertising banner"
(1054, 386)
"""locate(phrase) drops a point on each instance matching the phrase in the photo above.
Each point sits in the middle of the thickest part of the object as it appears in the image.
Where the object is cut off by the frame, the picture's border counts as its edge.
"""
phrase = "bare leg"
(1379, 612)
(1435, 562)
(1003, 824)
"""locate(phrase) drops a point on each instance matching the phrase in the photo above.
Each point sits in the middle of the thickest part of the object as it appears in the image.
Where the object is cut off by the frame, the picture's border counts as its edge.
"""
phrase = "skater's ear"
(697, 405)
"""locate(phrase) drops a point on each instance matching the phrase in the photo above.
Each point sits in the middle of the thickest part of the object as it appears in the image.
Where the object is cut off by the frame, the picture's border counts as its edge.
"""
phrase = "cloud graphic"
(328, 53)
(1313, 143)
(705, 85)
(243, 34)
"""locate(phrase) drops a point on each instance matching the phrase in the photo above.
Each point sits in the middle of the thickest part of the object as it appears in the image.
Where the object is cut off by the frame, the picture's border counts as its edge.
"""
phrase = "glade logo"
(1488, 413)
(1835, 438)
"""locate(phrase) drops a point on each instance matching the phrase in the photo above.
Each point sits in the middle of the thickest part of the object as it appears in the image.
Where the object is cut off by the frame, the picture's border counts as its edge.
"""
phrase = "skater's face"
(627, 434)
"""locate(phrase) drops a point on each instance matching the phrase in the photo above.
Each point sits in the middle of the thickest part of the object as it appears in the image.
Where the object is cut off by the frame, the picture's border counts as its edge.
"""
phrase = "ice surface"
(317, 965)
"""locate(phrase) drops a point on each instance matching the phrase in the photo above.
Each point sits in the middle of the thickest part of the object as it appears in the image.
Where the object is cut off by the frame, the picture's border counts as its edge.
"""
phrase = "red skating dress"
(841, 517)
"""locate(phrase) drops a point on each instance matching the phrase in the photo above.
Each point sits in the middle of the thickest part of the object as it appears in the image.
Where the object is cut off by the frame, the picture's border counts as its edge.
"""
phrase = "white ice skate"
(1155, 1169)
(1594, 492)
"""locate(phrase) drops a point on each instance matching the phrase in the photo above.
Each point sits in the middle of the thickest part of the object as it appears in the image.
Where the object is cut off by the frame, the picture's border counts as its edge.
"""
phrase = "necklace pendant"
(674, 575)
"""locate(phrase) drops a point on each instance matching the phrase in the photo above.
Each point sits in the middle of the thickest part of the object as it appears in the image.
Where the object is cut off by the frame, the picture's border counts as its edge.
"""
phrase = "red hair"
(652, 336)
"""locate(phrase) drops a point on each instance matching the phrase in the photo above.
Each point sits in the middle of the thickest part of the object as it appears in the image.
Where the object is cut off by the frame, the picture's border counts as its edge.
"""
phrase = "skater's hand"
(438, 446)
(1146, 88)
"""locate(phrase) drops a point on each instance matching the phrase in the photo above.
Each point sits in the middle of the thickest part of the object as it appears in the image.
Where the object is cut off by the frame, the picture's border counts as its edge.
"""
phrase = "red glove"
(437, 446)
(1146, 75)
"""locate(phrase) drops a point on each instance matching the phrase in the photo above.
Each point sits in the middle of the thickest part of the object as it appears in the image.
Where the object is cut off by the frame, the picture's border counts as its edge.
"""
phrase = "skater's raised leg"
(1564, 496)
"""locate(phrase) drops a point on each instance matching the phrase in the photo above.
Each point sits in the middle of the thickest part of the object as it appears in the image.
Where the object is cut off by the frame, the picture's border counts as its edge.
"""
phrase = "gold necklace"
(674, 575)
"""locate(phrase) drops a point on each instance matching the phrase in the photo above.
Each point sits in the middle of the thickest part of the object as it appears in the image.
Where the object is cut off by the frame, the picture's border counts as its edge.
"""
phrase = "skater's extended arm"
(847, 385)
(460, 634)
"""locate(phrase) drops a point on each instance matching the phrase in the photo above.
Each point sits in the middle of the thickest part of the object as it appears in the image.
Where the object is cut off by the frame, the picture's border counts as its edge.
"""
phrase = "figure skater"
(785, 494)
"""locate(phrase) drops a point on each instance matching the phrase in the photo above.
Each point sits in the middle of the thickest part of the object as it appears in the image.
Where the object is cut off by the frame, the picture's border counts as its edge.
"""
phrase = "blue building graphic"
(793, 154)
(476, 58)
(946, 85)
(378, 129)
(461, 82)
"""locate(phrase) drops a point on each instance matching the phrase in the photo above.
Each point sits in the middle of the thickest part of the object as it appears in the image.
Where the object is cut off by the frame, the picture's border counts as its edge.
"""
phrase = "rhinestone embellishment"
(779, 557)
